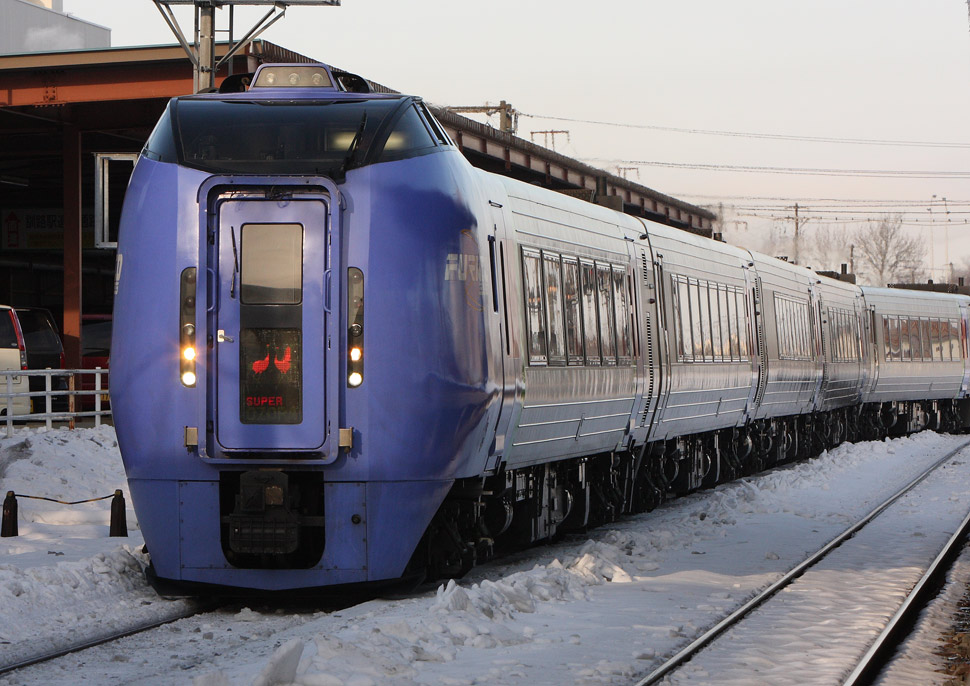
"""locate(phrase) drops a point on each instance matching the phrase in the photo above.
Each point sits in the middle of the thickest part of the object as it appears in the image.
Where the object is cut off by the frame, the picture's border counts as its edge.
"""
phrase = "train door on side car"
(502, 366)
(271, 324)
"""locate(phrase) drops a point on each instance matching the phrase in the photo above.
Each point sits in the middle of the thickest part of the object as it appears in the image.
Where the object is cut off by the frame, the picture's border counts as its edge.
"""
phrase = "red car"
(95, 349)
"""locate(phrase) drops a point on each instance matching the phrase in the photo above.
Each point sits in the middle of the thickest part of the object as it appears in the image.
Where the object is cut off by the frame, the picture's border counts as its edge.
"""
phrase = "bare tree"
(887, 255)
(778, 243)
(828, 248)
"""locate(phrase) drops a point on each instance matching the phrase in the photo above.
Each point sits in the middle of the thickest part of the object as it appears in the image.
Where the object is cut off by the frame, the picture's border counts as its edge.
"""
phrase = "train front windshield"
(271, 137)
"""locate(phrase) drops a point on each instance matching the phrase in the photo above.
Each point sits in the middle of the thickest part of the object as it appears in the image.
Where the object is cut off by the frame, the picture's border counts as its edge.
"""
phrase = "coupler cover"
(262, 522)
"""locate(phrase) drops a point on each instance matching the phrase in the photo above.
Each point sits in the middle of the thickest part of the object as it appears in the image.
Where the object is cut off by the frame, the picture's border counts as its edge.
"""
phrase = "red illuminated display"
(271, 383)
(259, 401)
(260, 366)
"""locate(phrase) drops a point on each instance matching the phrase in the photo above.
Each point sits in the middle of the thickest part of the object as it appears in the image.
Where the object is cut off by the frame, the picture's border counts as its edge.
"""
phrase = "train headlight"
(355, 327)
(187, 326)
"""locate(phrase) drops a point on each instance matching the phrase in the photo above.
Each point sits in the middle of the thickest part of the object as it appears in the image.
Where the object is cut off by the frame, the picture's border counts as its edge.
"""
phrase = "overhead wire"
(869, 173)
(757, 135)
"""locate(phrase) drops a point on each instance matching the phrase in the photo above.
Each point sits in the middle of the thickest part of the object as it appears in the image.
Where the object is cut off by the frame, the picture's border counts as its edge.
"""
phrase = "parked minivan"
(13, 355)
(44, 351)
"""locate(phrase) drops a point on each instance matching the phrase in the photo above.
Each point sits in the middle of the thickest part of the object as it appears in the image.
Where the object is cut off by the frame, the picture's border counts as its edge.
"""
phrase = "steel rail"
(198, 608)
(695, 646)
(924, 591)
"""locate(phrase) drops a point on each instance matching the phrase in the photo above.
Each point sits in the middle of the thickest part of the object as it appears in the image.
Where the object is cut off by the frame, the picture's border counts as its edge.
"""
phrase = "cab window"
(408, 135)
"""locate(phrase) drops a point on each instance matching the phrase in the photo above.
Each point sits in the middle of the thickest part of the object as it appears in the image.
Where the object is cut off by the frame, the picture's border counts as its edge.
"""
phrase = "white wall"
(40, 26)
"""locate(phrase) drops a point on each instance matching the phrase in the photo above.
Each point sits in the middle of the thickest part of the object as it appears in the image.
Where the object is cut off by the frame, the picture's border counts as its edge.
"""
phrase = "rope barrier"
(63, 502)
(118, 525)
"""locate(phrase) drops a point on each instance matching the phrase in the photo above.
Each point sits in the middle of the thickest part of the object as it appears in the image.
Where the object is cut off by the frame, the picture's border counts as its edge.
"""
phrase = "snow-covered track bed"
(606, 609)
(756, 642)
(60, 647)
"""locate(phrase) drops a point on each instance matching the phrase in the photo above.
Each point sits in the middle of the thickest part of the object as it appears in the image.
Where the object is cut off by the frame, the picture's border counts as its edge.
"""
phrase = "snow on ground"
(63, 577)
(600, 609)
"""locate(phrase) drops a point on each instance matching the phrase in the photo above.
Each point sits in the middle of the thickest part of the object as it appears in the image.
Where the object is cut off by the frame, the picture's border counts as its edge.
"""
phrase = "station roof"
(115, 95)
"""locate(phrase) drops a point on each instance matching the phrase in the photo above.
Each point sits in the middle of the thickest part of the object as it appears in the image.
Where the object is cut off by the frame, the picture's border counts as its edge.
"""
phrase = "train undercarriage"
(482, 517)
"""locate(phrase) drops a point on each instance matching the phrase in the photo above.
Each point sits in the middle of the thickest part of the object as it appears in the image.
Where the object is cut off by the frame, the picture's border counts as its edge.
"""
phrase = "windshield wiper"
(352, 150)
(235, 265)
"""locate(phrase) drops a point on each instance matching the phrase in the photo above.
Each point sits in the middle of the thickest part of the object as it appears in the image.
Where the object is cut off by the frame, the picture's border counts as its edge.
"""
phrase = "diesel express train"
(343, 355)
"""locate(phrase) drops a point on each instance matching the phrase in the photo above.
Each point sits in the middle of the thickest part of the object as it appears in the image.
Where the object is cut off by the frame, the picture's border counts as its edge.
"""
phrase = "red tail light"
(20, 340)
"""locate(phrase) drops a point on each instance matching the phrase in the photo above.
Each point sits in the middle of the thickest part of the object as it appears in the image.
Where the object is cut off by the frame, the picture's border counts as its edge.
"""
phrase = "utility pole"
(206, 70)
(202, 51)
(547, 135)
(621, 171)
(508, 115)
(796, 246)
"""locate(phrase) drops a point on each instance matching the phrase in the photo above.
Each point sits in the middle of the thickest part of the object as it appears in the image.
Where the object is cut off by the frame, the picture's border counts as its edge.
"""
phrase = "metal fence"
(68, 395)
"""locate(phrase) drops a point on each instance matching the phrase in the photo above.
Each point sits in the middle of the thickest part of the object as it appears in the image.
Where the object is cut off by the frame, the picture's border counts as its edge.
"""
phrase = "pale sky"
(887, 70)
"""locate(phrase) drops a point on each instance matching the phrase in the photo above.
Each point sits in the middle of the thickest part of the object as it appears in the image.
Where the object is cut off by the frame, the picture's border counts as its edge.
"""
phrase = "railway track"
(868, 667)
(195, 608)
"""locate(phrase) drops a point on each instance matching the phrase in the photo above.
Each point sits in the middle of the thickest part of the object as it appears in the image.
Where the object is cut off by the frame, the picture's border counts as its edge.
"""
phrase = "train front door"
(271, 323)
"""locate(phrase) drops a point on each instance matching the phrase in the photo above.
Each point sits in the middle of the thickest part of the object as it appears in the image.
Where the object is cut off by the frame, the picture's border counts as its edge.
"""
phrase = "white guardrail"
(63, 389)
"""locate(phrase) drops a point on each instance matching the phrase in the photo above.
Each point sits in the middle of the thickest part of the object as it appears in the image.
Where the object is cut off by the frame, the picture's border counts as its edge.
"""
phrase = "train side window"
(886, 347)
(905, 342)
(893, 351)
(943, 329)
(607, 322)
(801, 327)
(853, 337)
(935, 340)
(621, 307)
(844, 340)
(409, 134)
(916, 349)
(783, 327)
(436, 128)
(698, 316)
(574, 315)
(554, 316)
(725, 326)
(839, 326)
(590, 319)
(786, 328)
(924, 327)
(741, 306)
(717, 352)
(838, 333)
(682, 318)
(954, 337)
(834, 337)
(734, 336)
(532, 285)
